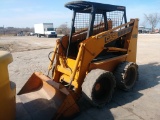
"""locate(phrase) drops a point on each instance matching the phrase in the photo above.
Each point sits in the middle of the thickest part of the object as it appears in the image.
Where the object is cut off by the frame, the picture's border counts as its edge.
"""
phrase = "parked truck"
(45, 29)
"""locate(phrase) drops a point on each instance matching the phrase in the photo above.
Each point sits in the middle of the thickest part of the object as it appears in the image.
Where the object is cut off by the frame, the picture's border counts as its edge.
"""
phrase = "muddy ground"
(141, 103)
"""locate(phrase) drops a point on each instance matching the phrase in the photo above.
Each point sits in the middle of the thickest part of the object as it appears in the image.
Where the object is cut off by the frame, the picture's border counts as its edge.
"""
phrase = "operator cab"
(88, 15)
(91, 18)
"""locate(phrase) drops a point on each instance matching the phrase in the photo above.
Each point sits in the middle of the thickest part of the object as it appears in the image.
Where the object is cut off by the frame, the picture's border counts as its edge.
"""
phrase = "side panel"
(109, 64)
(39, 28)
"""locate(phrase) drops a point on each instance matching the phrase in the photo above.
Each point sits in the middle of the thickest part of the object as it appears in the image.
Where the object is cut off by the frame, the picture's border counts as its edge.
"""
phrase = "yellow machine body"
(7, 89)
(74, 70)
(75, 56)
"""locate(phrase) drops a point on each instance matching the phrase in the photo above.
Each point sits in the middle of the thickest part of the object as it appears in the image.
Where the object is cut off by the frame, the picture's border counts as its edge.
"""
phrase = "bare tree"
(63, 29)
(153, 19)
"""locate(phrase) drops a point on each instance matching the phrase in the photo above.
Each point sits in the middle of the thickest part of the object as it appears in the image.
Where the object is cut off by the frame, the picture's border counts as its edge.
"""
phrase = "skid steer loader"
(98, 55)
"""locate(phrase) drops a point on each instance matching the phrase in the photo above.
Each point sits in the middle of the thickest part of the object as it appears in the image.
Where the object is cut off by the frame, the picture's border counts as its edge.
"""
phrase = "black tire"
(98, 87)
(39, 35)
(126, 75)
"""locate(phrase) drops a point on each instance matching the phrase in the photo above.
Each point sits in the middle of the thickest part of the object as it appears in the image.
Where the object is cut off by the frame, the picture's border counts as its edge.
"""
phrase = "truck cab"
(49, 32)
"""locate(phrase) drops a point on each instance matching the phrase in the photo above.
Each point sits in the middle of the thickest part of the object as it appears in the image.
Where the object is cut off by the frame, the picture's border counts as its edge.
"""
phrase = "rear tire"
(126, 75)
(39, 35)
(98, 87)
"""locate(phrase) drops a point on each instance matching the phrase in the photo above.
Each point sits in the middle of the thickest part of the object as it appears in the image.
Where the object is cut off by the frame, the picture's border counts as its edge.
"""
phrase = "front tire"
(98, 87)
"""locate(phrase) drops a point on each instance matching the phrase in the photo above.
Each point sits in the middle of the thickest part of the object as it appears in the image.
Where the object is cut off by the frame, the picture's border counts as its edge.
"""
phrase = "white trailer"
(44, 29)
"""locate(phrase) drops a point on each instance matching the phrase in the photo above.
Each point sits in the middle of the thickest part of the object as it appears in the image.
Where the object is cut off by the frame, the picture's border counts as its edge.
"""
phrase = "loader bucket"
(44, 99)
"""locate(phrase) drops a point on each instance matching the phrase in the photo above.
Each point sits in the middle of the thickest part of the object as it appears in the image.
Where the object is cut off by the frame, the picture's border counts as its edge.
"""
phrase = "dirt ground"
(141, 103)
(28, 43)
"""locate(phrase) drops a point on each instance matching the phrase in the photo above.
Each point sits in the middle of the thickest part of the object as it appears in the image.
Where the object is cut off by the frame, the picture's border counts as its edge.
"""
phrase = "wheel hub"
(97, 87)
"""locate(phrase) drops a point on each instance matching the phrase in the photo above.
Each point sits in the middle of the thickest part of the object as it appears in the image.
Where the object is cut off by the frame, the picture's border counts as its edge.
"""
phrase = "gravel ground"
(142, 103)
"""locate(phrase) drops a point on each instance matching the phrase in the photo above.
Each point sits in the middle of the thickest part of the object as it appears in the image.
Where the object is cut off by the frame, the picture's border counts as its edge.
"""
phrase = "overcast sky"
(26, 13)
